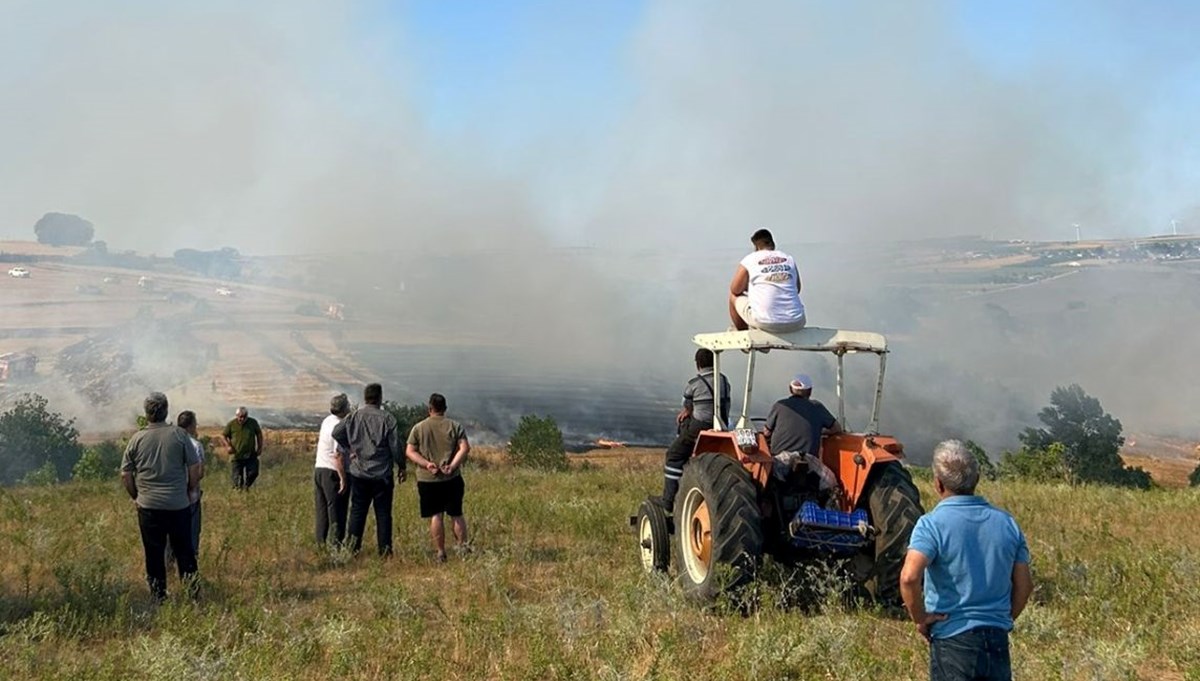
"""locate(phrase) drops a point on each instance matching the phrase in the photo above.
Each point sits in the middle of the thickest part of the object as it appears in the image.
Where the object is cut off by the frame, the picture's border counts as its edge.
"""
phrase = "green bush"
(36, 442)
(99, 462)
(1036, 465)
(1091, 439)
(987, 469)
(1194, 478)
(538, 443)
(407, 416)
(46, 475)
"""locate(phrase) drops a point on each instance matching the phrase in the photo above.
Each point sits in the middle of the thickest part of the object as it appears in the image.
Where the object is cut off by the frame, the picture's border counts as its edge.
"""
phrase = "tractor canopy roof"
(811, 339)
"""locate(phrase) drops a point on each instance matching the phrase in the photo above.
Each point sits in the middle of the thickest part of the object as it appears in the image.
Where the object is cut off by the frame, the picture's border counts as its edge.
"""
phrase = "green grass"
(554, 590)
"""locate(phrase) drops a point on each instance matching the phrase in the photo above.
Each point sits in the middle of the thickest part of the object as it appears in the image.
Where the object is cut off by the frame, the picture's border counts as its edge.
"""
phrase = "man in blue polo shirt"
(966, 576)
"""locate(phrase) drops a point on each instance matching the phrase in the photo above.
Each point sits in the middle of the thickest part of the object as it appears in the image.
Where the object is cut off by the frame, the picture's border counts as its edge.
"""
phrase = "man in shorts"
(438, 446)
(765, 291)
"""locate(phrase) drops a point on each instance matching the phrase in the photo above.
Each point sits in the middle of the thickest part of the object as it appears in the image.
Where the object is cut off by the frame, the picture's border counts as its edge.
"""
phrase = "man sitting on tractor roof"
(695, 416)
(765, 291)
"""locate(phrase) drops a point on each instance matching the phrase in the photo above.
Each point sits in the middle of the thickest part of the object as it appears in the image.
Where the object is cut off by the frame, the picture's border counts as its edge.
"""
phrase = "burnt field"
(977, 344)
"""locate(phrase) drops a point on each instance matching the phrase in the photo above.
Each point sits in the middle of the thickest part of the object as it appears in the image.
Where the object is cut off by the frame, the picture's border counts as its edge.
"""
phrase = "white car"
(19, 273)
(224, 292)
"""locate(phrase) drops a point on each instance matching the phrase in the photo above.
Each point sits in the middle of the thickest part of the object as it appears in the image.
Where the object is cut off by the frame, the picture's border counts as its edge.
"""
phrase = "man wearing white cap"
(797, 422)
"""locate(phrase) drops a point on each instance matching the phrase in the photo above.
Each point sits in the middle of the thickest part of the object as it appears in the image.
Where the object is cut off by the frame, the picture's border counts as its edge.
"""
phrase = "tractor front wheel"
(718, 526)
(653, 537)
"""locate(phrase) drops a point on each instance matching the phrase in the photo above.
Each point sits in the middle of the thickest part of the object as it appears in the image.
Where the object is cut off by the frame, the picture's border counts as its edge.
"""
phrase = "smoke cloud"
(293, 127)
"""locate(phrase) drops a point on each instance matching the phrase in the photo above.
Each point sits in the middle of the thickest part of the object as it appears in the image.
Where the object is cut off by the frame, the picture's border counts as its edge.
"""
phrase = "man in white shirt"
(765, 291)
(329, 478)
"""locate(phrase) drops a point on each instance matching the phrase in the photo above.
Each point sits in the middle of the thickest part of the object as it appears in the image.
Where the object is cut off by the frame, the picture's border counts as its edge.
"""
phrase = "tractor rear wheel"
(654, 541)
(894, 504)
(718, 526)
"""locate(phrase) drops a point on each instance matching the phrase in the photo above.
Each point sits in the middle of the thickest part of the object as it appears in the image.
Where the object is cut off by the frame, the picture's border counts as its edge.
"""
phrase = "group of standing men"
(161, 471)
(360, 459)
(360, 456)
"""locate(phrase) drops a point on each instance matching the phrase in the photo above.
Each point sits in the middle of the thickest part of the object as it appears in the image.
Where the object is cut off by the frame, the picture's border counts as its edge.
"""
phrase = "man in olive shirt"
(244, 439)
(438, 446)
(159, 470)
(372, 437)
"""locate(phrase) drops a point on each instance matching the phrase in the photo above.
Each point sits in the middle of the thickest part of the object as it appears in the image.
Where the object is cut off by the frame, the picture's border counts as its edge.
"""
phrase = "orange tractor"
(737, 502)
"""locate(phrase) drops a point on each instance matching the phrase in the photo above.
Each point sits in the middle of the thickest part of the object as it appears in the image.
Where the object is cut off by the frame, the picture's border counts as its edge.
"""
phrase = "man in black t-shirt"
(796, 423)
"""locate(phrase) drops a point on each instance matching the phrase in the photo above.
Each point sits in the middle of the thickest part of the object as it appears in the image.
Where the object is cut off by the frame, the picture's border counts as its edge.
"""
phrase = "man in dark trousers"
(243, 437)
(966, 576)
(160, 467)
(373, 439)
(695, 416)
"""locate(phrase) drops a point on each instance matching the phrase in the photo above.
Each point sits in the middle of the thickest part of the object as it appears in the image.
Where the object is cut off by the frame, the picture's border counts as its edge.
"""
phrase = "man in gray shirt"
(695, 416)
(159, 469)
(796, 423)
(372, 437)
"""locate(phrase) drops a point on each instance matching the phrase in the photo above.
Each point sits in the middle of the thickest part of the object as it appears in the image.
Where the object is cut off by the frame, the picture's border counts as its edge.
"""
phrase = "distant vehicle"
(110, 279)
(19, 273)
(145, 283)
(88, 289)
(228, 293)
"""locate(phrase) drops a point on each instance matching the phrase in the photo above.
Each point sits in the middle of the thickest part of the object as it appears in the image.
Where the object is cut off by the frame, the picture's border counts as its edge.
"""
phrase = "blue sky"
(509, 74)
(612, 118)
(519, 69)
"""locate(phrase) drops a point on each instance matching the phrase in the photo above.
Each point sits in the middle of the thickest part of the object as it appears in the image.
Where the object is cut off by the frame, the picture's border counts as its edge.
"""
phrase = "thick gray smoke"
(290, 127)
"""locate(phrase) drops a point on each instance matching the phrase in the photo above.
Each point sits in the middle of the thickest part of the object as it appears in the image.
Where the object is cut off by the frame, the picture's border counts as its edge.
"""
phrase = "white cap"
(801, 382)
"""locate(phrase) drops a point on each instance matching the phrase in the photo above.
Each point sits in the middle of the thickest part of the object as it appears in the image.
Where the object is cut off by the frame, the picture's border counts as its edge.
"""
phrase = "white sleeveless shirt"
(773, 295)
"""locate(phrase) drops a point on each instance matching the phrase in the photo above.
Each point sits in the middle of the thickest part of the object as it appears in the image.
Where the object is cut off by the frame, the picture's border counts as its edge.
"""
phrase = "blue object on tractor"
(829, 530)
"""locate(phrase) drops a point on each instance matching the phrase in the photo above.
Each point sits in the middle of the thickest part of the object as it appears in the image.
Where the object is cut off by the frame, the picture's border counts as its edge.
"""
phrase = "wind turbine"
(1174, 227)
(1077, 233)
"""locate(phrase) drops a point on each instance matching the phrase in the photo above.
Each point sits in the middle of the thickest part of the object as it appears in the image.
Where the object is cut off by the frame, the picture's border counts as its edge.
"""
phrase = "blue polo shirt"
(972, 547)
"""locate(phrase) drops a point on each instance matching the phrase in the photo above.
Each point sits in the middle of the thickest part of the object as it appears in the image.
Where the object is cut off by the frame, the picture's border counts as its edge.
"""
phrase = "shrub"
(1090, 436)
(99, 462)
(987, 469)
(538, 443)
(1194, 478)
(33, 438)
(1038, 465)
(47, 474)
(407, 416)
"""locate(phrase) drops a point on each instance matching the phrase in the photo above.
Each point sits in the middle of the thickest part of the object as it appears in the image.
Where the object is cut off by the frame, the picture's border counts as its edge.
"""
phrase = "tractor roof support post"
(878, 394)
(745, 396)
(717, 425)
(841, 384)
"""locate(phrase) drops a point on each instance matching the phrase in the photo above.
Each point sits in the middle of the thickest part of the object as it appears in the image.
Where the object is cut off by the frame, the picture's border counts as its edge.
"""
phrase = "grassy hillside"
(553, 590)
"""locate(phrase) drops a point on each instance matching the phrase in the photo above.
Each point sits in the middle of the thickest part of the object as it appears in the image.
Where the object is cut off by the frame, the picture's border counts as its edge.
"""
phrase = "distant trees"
(1080, 443)
(407, 415)
(36, 444)
(224, 263)
(64, 229)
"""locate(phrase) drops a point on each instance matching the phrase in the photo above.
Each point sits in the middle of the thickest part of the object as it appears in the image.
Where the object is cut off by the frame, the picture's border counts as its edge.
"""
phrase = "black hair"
(186, 419)
(704, 358)
(763, 239)
(373, 394)
(437, 403)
